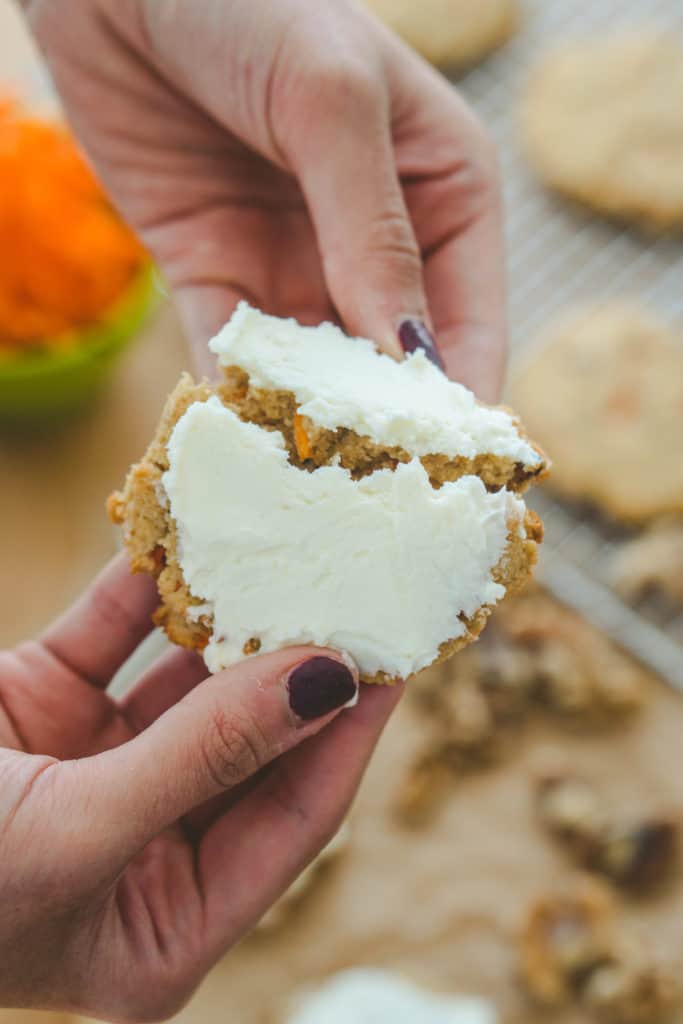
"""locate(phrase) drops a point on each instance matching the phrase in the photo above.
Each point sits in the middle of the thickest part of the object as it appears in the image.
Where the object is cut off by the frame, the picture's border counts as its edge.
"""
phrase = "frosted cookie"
(324, 493)
(651, 563)
(604, 392)
(367, 995)
(601, 122)
(449, 32)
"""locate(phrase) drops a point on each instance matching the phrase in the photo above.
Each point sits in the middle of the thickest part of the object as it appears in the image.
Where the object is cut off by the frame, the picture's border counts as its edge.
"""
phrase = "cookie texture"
(604, 392)
(151, 534)
(601, 123)
(450, 33)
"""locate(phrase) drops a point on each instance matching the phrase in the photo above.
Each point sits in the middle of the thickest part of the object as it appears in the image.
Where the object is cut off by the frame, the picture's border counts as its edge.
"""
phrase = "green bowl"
(51, 384)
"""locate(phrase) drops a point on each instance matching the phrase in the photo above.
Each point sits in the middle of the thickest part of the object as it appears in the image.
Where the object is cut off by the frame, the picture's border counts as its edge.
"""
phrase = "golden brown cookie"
(604, 394)
(449, 32)
(151, 534)
(601, 120)
(325, 493)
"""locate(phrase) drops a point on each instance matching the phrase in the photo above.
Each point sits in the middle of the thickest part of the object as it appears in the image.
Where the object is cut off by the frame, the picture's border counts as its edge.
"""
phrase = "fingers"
(259, 846)
(466, 287)
(167, 681)
(454, 196)
(347, 171)
(105, 625)
(220, 734)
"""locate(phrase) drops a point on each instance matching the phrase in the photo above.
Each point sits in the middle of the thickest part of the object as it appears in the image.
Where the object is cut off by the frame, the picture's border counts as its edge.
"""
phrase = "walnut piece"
(634, 855)
(423, 788)
(565, 938)
(619, 994)
(573, 950)
(571, 809)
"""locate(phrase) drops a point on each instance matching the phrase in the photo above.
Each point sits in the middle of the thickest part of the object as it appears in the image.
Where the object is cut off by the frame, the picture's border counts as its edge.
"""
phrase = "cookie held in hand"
(323, 493)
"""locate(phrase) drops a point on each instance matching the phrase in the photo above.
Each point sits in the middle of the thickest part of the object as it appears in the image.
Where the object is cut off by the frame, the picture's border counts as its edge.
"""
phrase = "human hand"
(120, 884)
(293, 153)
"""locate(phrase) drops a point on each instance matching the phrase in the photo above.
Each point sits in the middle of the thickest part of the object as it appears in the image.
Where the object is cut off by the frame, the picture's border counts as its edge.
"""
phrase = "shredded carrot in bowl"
(65, 255)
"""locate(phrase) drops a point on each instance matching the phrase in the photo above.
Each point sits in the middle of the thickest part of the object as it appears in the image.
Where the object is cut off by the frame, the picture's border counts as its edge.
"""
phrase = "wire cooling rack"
(560, 256)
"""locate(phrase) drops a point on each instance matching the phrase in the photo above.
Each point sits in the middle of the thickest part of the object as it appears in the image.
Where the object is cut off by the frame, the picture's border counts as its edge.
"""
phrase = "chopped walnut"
(564, 685)
(507, 677)
(626, 994)
(638, 856)
(571, 809)
(536, 653)
(467, 723)
(423, 788)
(633, 855)
(566, 938)
(572, 950)
(579, 672)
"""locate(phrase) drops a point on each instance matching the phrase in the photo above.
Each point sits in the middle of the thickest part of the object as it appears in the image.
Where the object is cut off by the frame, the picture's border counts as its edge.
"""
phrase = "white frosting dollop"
(380, 567)
(345, 382)
(372, 996)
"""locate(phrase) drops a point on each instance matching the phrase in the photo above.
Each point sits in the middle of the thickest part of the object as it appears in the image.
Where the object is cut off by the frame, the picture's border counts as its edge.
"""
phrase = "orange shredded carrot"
(301, 438)
(65, 255)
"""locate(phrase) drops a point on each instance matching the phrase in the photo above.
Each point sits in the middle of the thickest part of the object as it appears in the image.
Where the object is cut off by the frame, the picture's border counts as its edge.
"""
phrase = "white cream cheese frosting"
(340, 381)
(381, 567)
(373, 996)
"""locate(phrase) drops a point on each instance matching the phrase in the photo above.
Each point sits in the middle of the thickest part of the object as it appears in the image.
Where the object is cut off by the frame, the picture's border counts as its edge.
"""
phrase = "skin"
(295, 154)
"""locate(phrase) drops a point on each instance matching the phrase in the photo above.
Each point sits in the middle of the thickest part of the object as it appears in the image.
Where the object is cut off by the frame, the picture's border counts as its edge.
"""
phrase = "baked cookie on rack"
(450, 33)
(601, 123)
(324, 493)
(603, 390)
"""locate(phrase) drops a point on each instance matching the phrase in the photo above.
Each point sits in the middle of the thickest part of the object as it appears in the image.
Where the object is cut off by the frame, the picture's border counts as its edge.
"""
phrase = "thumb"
(220, 734)
(346, 168)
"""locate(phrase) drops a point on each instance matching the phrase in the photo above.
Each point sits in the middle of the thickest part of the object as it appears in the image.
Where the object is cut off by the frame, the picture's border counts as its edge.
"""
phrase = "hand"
(120, 884)
(293, 153)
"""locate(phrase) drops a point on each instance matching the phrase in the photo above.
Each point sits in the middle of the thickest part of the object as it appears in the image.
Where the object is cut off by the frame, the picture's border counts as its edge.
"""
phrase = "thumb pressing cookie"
(323, 493)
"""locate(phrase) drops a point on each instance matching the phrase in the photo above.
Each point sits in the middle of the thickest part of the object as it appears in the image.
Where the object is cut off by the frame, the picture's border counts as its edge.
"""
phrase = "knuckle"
(345, 81)
(234, 747)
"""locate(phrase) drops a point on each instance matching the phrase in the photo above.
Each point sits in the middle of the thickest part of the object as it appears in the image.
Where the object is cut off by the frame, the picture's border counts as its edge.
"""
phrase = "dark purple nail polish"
(414, 334)
(319, 686)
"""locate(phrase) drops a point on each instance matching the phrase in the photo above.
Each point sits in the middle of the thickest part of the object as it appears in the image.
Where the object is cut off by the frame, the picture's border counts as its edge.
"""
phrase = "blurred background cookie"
(651, 563)
(450, 32)
(603, 393)
(601, 121)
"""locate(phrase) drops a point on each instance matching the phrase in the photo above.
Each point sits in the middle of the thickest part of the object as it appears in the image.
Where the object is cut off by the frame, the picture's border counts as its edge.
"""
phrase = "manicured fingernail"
(414, 334)
(319, 686)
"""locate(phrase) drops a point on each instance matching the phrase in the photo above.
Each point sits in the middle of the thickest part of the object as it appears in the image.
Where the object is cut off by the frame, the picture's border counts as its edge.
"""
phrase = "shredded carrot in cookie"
(65, 255)
(301, 438)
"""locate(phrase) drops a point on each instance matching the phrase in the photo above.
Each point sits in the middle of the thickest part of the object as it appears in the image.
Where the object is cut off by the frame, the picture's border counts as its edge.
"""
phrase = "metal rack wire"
(561, 256)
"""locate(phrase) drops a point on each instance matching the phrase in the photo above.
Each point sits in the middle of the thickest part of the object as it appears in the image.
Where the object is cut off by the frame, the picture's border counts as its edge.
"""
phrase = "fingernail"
(319, 686)
(414, 334)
